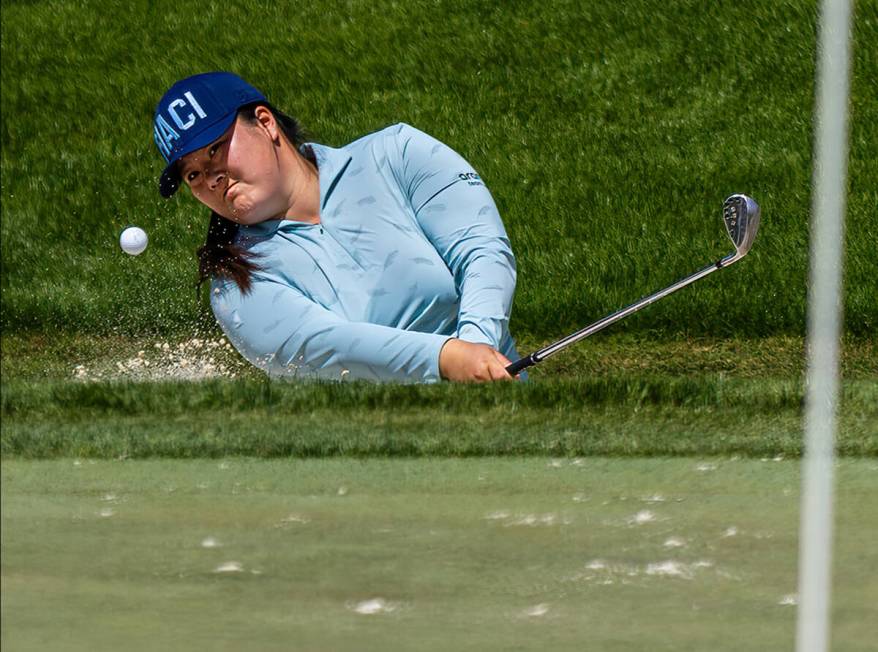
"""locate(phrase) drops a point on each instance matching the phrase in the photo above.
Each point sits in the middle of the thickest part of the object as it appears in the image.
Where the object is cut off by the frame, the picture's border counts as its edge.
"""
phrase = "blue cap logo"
(165, 134)
(194, 113)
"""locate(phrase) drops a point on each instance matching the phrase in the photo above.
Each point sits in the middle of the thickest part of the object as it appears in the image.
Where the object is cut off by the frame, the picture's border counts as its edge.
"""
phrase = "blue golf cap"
(194, 113)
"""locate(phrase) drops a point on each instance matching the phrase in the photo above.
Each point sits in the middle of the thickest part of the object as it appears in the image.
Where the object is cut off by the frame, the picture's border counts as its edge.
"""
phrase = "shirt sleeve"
(283, 332)
(458, 215)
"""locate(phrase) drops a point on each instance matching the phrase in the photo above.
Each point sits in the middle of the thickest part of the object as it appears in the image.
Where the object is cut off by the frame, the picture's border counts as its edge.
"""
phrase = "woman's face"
(238, 175)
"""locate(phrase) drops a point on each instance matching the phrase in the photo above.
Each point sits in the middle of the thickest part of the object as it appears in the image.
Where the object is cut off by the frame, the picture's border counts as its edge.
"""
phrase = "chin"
(243, 213)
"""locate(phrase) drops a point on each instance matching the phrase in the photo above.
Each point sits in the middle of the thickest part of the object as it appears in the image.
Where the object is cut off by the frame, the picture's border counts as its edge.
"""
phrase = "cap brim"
(170, 180)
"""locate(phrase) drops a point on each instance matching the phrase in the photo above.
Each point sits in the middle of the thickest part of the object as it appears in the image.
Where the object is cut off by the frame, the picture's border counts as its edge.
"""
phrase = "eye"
(192, 176)
(213, 149)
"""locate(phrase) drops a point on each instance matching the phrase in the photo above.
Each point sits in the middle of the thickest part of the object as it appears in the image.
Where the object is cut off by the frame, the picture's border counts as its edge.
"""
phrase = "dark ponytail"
(219, 256)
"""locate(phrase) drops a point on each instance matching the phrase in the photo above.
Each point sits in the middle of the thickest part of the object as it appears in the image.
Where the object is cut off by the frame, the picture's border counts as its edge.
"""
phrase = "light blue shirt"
(410, 251)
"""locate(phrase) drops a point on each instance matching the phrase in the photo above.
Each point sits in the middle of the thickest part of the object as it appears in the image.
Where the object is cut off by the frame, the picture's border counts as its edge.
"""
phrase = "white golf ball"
(133, 240)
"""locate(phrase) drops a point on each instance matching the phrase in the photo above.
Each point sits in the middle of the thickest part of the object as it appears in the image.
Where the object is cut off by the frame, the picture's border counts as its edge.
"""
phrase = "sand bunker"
(192, 359)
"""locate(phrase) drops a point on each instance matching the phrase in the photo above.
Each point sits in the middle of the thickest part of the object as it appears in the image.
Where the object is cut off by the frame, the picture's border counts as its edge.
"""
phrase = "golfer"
(384, 259)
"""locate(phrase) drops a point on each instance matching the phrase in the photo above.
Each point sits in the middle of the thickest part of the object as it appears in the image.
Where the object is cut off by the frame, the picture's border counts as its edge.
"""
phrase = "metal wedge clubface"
(741, 218)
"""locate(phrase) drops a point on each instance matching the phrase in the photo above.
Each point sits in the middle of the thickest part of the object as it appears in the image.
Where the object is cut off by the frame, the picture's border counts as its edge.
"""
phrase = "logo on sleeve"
(471, 178)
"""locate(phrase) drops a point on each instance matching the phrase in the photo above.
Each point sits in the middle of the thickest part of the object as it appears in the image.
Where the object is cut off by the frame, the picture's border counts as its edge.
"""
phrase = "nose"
(217, 178)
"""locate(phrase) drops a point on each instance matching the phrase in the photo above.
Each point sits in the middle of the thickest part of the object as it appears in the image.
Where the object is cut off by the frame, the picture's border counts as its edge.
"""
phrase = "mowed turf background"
(609, 134)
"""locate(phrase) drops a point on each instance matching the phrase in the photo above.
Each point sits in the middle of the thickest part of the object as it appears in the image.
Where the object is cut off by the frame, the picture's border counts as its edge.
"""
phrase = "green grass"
(55, 356)
(625, 415)
(608, 132)
(609, 396)
(109, 555)
(445, 429)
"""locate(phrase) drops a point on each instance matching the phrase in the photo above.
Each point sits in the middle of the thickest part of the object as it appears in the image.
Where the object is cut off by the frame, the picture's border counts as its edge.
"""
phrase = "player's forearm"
(486, 288)
(345, 351)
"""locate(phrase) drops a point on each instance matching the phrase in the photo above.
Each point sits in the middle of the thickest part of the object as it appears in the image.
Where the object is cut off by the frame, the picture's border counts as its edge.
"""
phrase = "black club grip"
(524, 363)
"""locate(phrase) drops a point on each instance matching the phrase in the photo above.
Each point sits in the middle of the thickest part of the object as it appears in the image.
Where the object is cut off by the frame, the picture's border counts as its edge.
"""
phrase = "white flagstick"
(824, 324)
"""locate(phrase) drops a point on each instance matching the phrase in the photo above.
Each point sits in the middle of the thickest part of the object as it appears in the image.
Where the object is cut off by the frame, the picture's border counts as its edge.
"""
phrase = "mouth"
(226, 193)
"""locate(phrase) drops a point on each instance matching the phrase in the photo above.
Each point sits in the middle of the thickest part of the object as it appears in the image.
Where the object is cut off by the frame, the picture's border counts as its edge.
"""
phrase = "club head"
(741, 217)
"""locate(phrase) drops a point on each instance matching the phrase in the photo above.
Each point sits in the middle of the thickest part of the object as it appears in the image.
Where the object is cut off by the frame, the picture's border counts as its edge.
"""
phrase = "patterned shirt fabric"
(410, 251)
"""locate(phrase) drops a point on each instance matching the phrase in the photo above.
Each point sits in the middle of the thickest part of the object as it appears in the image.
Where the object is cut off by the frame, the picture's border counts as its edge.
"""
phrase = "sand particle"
(229, 567)
(641, 517)
(373, 607)
(537, 610)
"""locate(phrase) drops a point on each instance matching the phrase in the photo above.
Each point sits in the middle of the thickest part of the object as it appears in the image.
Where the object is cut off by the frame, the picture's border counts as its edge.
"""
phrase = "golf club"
(741, 217)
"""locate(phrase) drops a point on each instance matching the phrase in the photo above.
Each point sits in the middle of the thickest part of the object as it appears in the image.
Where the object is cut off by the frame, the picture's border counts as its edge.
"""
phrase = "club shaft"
(601, 324)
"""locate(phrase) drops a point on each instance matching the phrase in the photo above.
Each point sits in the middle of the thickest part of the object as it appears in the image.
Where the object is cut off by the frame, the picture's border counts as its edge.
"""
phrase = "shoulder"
(393, 136)
(391, 131)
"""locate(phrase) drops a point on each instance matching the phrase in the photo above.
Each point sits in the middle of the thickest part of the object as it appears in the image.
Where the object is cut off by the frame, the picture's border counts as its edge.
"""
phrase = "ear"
(266, 121)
